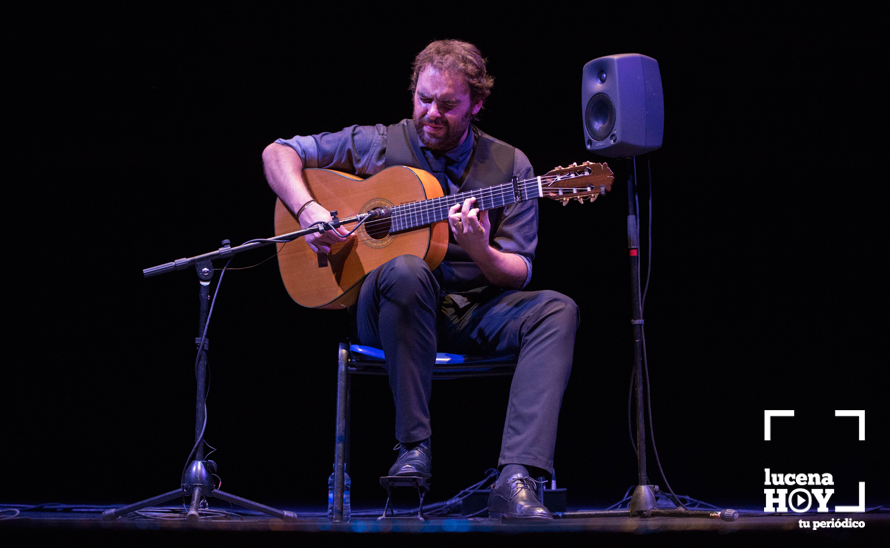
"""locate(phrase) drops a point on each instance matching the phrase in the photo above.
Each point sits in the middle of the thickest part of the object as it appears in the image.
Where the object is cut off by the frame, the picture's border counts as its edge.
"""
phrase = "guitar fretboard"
(417, 214)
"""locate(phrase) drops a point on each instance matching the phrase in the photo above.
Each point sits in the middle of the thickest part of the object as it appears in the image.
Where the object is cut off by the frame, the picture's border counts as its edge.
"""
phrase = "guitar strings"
(436, 208)
(412, 215)
(415, 214)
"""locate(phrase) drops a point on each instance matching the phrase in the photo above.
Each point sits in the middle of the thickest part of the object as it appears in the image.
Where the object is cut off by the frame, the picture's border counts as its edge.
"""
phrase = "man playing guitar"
(473, 302)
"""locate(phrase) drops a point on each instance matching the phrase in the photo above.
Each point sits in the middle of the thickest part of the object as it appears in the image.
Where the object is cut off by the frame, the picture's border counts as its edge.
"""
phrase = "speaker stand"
(643, 502)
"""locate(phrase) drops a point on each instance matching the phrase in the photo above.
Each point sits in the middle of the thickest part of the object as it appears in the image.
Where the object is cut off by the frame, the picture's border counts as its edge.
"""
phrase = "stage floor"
(83, 525)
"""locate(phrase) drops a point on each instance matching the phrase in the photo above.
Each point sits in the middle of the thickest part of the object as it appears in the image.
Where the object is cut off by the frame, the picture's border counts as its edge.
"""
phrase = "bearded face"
(443, 109)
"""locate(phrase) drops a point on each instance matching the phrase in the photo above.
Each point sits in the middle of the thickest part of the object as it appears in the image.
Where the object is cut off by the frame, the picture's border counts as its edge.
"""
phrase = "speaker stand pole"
(643, 499)
(643, 502)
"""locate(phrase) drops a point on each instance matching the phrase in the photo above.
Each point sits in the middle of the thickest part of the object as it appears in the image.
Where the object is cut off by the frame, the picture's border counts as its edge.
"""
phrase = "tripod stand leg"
(249, 504)
(154, 501)
(193, 516)
(198, 480)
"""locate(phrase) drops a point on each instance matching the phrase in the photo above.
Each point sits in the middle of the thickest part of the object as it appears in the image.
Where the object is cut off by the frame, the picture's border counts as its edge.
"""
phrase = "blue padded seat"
(368, 360)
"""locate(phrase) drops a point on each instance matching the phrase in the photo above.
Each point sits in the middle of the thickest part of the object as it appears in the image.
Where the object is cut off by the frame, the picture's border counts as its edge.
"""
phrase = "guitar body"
(333, 281)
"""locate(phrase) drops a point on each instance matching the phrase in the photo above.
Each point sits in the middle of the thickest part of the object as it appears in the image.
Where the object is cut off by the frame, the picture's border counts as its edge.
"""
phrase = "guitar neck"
(417, 214)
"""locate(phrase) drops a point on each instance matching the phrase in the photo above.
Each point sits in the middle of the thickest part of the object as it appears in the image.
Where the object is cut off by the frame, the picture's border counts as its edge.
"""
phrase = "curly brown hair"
(455, 57)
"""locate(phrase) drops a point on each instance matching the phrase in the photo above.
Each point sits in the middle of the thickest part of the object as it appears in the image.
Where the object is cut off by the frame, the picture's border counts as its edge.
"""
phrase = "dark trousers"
(400, 310)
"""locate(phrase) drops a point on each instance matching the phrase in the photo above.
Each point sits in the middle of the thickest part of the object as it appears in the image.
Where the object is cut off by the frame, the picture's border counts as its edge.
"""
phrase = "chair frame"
(363, 360)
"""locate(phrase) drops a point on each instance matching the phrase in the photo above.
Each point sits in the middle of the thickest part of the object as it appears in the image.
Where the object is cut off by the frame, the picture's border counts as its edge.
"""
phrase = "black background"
(137, 141)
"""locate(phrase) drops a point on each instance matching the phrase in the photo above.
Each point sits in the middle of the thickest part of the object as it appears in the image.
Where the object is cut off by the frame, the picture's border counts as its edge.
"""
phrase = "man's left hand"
(470, 227)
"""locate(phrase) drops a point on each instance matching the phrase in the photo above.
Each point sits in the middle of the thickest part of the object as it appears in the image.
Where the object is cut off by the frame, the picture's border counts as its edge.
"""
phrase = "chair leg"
(340, 442)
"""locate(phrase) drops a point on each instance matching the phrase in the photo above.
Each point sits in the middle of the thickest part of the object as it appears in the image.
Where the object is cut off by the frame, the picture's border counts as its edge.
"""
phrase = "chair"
(364, 360)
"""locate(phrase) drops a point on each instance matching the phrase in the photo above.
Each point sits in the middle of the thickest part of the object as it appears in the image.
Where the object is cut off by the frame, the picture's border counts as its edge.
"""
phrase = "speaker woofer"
(599, 117)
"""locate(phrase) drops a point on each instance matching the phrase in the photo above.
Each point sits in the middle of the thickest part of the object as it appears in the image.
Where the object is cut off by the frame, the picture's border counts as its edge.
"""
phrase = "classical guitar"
(416, 225)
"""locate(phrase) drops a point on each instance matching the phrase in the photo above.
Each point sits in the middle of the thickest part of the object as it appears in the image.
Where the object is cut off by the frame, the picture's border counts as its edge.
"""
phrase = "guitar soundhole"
(375, 233)
(379, 228)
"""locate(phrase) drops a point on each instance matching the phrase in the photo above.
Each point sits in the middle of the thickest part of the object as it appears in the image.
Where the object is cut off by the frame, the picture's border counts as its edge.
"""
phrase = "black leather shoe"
(417, 461)
(515, 499)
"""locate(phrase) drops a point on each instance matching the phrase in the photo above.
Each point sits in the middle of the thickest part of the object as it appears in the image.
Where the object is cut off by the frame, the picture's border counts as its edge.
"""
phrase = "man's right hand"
(321, 243)
(283, 170)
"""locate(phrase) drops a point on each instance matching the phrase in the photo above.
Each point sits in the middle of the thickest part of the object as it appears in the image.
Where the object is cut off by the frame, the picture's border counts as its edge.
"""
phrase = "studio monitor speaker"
(623, 105)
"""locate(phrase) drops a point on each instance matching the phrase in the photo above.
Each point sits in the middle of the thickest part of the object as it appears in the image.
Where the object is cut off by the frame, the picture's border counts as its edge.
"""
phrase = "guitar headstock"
(577, 182)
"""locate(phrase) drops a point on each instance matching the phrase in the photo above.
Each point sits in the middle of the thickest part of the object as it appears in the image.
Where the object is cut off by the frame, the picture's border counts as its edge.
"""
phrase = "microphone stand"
(643, 502)
(197, 480)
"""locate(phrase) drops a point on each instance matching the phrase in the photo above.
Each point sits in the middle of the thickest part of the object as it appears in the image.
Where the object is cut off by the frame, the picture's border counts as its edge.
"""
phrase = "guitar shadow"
(338, 258)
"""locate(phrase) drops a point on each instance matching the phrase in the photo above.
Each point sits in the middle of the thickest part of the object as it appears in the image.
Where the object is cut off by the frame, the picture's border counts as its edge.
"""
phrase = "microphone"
(378, 213)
